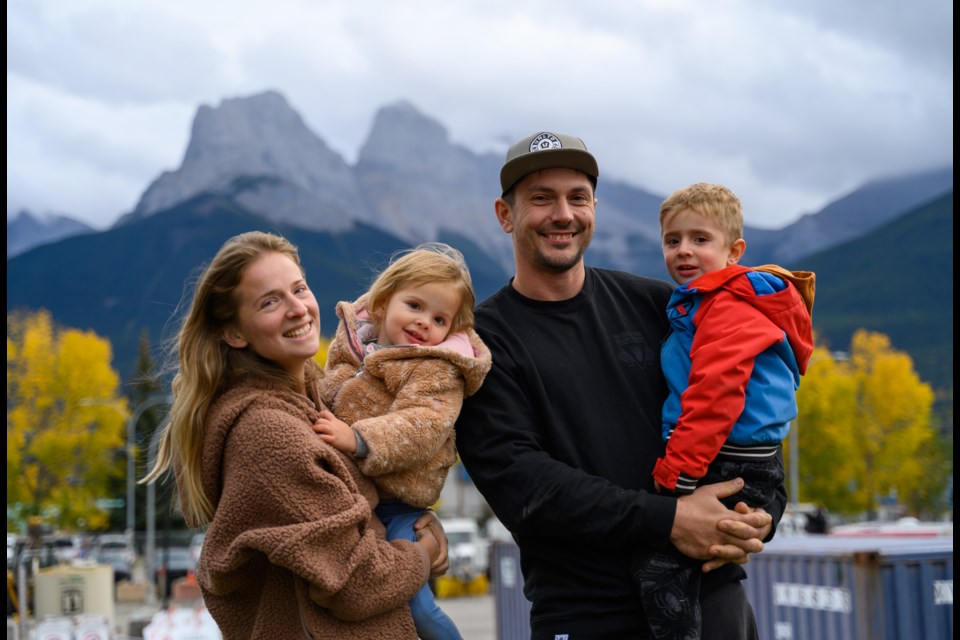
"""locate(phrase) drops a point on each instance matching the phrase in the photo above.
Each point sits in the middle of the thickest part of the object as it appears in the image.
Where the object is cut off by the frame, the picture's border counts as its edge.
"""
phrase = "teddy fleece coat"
(293, 550)
(403, 401)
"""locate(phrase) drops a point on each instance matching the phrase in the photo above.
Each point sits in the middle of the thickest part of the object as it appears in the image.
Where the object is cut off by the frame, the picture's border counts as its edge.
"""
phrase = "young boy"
(741, 338)
(404, 357)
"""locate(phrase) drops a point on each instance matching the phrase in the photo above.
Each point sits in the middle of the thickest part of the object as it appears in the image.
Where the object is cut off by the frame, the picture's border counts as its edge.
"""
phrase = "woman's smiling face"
(277, 314)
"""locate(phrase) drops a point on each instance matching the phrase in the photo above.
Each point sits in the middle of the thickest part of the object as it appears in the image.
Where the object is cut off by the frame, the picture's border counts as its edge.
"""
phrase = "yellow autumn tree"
(321, 356)
(865, 429)
(65, 423)
(824, 435)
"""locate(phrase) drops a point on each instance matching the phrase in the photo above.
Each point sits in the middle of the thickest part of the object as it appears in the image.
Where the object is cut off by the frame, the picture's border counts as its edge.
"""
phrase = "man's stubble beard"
(561, 264)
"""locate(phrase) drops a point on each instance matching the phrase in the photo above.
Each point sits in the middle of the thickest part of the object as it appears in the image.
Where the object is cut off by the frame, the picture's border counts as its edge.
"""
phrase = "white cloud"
(792, 104)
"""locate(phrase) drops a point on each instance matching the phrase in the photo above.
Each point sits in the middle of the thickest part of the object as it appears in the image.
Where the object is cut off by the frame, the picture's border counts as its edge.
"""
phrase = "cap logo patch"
(545, 141)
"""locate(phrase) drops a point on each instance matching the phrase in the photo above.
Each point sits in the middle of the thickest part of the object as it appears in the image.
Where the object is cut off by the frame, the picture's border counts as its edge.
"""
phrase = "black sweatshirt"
(562, 437)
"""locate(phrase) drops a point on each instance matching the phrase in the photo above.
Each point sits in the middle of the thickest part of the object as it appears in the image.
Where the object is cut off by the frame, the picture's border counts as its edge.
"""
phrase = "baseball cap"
(546, 150)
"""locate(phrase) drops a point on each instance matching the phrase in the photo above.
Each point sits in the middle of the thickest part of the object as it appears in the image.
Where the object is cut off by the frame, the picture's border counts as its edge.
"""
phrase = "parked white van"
(468, 550)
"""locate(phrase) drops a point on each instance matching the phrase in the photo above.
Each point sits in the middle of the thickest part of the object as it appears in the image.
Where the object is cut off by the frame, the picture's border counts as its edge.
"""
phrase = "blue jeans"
(431, 622)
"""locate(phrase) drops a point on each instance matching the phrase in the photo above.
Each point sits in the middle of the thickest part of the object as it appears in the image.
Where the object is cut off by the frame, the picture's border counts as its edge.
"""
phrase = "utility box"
(512, 607)
(71, 590)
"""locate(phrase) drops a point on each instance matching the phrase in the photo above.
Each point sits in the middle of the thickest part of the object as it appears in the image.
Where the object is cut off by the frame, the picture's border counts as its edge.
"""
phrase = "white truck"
(469, 551)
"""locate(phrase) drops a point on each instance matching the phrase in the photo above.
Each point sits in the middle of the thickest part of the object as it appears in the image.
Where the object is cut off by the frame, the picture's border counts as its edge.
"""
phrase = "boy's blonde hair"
(712, 201)
(427, 263)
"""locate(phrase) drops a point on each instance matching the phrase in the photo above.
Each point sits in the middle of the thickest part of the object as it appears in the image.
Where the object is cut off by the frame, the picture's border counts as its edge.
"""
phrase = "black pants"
(727, 615)
(669, 582)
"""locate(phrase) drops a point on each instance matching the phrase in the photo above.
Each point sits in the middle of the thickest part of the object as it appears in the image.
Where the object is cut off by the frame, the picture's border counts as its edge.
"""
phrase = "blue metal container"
(808, 588)
(512, 607)
(834, 588)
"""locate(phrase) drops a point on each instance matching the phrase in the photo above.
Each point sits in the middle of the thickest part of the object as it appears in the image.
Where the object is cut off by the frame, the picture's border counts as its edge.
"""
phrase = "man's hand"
(430, 521)
(706, 530)
(757, 528)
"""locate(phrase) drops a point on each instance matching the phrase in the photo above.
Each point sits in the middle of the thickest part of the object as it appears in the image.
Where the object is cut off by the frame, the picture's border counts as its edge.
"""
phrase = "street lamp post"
(151, 546)
(132, 461)
(131, 453)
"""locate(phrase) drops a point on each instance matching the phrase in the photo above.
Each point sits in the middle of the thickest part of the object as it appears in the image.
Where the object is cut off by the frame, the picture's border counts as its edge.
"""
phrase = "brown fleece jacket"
(294, 550)
(404, 404)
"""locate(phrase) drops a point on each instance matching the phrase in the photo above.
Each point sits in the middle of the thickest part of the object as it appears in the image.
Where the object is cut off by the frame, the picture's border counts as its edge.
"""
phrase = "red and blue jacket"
(741, 338)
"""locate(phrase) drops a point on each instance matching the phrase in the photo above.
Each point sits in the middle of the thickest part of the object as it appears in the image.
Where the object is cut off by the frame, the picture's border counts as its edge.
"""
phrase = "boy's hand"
(336, 432)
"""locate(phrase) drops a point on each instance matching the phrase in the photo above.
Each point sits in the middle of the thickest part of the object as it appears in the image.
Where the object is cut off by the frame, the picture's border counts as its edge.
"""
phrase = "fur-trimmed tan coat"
(293, 550)
(403, 402)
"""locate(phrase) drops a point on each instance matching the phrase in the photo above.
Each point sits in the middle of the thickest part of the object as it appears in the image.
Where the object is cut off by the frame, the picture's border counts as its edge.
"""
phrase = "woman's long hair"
(206, 365)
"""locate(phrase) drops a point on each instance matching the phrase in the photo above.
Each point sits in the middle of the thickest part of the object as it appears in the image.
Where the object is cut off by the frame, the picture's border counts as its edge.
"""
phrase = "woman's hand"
(426, 539)
(430, 522)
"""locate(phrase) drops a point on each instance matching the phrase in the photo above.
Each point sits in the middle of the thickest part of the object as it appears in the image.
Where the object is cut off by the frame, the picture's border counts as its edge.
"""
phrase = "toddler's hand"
(336, 432)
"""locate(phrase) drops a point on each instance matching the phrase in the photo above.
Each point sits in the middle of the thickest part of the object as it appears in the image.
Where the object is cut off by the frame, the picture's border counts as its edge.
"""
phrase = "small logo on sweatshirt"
(633, 351)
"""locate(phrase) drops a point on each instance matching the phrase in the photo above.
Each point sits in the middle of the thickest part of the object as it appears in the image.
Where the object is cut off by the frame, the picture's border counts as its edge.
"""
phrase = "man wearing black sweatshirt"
(563, 435)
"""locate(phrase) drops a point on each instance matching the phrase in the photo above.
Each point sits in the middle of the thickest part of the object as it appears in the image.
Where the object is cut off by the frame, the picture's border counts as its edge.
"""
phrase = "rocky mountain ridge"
(411, 181)
(27, 230)
(408, 180)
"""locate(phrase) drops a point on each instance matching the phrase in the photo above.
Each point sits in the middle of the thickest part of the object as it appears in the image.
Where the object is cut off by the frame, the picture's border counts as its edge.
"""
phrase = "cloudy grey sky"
(792, 103)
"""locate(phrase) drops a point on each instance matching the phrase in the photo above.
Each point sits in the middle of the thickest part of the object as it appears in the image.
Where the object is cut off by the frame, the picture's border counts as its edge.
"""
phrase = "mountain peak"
(263, 122)
(27, 230)
(261, 137)
(404, 139)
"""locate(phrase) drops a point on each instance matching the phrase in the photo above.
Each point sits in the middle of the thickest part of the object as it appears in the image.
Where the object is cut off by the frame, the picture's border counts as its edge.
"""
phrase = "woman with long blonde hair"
(292, 548)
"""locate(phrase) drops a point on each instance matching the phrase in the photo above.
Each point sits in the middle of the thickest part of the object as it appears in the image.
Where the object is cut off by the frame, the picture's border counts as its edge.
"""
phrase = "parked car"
(65, 547)
(114, 549)
(119, 560)
(116, 541)
(172, 563)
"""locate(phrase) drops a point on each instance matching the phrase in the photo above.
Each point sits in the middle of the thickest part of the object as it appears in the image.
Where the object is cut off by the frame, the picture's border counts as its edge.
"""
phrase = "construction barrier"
(453, 587)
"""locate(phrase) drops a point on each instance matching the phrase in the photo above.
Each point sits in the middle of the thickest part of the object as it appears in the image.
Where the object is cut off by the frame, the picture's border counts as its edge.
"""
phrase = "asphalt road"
(473, 615)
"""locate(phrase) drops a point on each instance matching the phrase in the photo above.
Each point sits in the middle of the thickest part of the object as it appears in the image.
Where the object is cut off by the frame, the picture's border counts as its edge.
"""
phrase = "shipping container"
(808, 588)
(821, 587)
